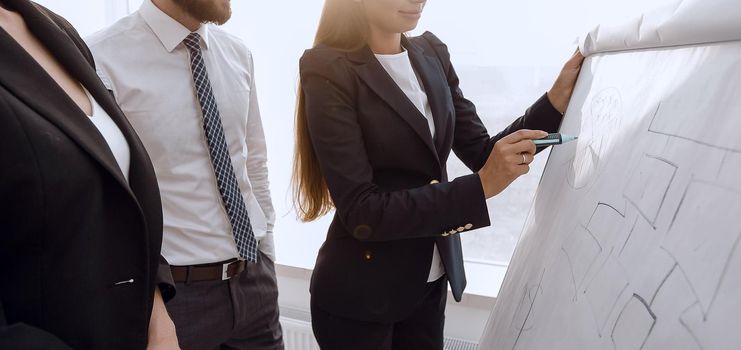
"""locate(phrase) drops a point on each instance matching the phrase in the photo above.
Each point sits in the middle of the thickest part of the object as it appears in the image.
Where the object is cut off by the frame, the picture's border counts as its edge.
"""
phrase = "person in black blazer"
(367, 146)
(80, 263)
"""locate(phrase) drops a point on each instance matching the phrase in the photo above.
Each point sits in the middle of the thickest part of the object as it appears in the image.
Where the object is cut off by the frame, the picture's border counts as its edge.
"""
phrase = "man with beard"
(188, 89)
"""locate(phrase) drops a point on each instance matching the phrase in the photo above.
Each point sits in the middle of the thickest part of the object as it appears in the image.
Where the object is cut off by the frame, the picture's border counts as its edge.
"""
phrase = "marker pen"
(554, 139)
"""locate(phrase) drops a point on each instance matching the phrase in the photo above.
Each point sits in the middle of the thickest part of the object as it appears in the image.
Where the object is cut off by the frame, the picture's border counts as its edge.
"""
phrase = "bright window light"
(506, 53)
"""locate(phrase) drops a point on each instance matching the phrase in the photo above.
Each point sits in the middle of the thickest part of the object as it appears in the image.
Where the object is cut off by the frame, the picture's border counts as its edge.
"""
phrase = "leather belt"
(208, 272)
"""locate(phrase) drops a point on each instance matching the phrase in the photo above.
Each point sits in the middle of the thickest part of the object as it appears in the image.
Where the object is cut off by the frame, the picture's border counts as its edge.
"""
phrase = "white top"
(112, 135)
(142, 59)
(399, 67)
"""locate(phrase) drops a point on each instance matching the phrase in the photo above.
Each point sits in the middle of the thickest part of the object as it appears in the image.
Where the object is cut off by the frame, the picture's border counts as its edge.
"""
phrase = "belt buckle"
(224, 269)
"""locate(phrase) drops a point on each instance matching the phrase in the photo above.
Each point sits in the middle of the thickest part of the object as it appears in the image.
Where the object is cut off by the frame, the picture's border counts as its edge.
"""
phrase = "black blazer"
(71, 226)
(383, 168)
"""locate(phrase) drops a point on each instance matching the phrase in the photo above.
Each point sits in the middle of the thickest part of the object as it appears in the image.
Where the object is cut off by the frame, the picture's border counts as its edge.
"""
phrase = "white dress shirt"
(399, 67)
(112, 134)
(142, 59)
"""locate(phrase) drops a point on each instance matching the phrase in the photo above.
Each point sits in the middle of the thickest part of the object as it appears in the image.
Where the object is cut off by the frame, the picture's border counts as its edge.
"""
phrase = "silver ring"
(524, 160)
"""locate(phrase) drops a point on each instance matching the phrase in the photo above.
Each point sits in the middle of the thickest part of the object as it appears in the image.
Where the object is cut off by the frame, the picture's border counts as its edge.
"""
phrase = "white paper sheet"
(685, 22)
(632, 241)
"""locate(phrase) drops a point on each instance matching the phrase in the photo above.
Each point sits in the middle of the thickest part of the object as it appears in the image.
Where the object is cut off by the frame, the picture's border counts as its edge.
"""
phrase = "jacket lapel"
(28, 81)
(435, 84)
(375, 76)
(141, 173)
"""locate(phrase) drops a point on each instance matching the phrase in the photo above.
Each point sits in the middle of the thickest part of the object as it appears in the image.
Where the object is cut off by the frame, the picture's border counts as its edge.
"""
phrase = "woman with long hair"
(378, 115)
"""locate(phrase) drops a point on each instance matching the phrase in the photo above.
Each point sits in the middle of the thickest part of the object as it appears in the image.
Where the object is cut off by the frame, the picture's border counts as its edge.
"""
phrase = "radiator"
(458, 344)
(297, 334)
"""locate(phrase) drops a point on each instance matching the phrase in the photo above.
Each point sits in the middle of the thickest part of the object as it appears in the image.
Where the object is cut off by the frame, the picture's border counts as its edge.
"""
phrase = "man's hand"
(162, 334)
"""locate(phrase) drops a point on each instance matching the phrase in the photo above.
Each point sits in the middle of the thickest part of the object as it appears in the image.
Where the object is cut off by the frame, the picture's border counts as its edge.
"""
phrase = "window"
(506, 53)
(88, 16)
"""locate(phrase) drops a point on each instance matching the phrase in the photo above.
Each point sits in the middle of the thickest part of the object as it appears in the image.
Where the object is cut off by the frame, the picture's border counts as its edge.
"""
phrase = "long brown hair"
(342, 26)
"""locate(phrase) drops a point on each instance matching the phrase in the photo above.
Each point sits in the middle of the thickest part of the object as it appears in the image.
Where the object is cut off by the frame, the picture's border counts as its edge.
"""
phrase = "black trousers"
(422, 329)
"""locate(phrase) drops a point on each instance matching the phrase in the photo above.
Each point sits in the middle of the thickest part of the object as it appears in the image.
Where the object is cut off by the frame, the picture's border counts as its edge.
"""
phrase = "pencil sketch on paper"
(522, 320)
(634, 324)
(634, 238)
(596, 136)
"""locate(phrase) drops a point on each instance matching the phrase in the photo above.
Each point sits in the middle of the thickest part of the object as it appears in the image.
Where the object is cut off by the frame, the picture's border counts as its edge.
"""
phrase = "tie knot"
(193, 42)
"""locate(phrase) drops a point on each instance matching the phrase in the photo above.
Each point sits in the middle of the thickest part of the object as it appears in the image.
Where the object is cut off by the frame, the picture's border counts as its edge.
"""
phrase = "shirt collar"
(169, 31)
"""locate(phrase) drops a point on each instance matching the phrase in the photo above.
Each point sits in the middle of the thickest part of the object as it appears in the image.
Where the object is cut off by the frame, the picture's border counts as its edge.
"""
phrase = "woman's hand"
(560, 93)
(509, 159)
(162, 334)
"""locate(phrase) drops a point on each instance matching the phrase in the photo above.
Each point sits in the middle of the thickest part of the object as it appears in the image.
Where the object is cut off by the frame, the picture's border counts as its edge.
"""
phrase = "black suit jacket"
(72, 226)
(383, 167)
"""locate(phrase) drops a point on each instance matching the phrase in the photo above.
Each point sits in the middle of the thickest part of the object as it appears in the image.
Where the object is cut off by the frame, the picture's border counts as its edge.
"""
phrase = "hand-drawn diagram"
(584, 248)
(585, 244)
(647, 188)
(673, 299)
(522, 319)
(634, 324)
(643, 216)
(605, 290)
(702, 252)
(595, 136)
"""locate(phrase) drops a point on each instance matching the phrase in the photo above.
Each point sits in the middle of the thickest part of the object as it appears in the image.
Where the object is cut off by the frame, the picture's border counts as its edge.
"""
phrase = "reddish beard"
(207, 11)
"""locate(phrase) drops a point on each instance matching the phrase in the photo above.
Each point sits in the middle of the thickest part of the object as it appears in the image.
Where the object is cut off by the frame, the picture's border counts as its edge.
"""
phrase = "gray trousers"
(240, 313)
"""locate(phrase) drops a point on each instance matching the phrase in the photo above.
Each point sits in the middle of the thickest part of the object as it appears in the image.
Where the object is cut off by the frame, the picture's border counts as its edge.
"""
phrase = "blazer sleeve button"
(468, 226)
(434, 182)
